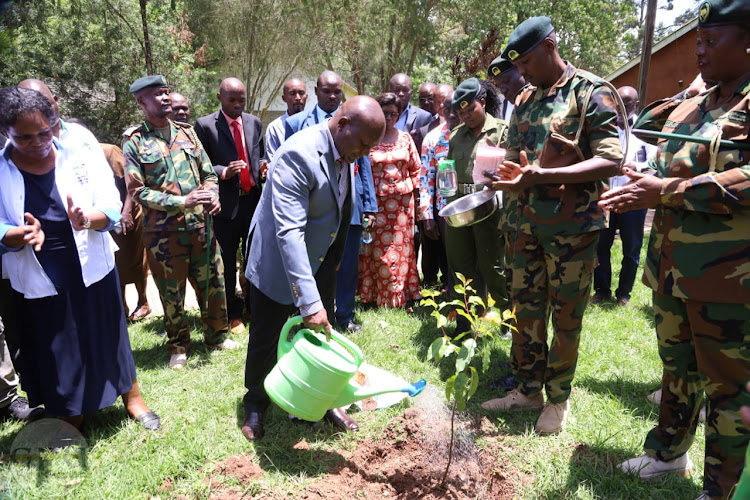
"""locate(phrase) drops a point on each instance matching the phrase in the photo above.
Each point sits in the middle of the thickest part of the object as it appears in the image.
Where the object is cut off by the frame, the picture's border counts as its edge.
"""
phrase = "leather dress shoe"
(252, 426)
(340, 419)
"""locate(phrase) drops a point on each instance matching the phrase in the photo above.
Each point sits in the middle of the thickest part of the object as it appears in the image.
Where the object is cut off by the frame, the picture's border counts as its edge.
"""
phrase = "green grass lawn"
(201, 408)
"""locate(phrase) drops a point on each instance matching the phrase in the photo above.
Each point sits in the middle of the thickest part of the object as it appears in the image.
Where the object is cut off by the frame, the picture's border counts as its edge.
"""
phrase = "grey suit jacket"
(297, 219)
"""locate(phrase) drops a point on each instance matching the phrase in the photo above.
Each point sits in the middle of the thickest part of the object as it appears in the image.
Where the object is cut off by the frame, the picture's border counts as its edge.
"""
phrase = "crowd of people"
(337, 201)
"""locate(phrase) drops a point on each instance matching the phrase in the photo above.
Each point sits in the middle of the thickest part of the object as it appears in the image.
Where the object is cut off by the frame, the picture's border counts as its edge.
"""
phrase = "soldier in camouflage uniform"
(169, 173)
(562, 147)
(698, 258)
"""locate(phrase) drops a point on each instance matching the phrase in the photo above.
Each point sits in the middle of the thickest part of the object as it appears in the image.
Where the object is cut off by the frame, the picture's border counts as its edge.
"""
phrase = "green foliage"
(484, 319)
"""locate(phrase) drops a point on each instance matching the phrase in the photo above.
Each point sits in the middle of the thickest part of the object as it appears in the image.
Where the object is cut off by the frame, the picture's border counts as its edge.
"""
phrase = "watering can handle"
(285, 345)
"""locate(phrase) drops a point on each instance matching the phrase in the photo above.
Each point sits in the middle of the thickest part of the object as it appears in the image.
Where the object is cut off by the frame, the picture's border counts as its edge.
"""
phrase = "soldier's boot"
(553, 418)
(647, 467)
(514, 401)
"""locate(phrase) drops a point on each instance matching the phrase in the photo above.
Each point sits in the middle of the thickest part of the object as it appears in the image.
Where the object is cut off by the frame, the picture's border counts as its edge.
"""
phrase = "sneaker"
(647, 467)
(655, 397)
(553, 418)
(19, 409)
(515, 400)
(227, 345)
(350, 327)
(177, 361)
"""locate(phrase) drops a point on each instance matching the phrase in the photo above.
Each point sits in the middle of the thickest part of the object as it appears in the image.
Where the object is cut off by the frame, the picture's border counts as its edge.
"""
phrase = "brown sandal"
(140, 313)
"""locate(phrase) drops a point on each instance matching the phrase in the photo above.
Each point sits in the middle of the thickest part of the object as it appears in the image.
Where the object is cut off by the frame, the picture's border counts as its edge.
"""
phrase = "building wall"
(672, 69)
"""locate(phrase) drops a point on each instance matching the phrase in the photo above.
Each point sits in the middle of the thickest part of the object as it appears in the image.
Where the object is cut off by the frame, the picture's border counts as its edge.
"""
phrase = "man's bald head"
(329, 90)
(294, 95)
(41, 87)
(180, 108)
(629, 98)
(232, 96)
(357, 127)
(400, 85)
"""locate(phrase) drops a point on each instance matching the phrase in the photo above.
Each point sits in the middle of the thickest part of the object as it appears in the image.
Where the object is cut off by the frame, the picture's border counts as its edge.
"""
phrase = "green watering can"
(313, 376)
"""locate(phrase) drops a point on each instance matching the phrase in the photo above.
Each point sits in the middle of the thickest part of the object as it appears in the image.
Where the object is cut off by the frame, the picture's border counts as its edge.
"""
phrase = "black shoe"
(353, 327)
(19, 409)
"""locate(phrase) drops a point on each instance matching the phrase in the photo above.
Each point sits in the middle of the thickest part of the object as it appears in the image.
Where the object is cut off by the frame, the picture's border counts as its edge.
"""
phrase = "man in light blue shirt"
(294, 95)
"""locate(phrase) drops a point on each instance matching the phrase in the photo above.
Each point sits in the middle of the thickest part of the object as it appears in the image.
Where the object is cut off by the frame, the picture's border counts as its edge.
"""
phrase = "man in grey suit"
(299, 228)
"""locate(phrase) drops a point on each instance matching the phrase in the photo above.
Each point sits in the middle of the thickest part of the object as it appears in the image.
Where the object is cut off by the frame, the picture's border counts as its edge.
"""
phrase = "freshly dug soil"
(407, 462)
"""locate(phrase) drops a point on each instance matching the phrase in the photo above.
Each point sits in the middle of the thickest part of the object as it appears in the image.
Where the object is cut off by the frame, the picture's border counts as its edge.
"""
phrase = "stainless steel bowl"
(471, 208)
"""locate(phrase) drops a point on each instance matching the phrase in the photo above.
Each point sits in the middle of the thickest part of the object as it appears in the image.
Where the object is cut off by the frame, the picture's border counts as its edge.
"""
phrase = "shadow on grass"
(630, 394)
(594, 469)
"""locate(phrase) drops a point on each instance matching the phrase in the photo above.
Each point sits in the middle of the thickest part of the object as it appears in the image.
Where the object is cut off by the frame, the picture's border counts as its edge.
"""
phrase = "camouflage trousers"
(705, 348)
(174, 257)
(551, 278)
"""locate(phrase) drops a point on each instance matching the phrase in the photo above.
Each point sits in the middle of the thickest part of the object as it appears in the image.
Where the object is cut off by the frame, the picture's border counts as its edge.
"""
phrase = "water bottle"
(366, 235)
(447, 182)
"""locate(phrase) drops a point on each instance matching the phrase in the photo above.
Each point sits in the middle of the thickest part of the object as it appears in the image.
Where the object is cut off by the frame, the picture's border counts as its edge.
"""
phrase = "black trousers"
(266, 322)
(229, 234)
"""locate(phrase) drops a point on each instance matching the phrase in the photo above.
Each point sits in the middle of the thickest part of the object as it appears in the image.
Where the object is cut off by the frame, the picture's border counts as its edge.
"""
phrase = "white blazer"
(82, 171)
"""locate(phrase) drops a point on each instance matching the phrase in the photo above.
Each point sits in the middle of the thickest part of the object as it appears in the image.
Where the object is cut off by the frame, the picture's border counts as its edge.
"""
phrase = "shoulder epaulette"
(130, 131)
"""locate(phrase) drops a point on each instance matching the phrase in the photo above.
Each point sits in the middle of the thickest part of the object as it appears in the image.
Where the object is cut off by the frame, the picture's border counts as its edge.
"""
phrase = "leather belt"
(466, 188)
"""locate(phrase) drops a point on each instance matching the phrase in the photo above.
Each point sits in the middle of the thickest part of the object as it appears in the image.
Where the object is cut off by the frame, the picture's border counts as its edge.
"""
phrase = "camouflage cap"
(146, 82)
(718, 12)
(526, 36)
(499, 66)
(465, 93)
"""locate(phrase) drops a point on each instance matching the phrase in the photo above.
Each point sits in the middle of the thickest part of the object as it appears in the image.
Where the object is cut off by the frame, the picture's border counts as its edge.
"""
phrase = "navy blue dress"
(75, 349)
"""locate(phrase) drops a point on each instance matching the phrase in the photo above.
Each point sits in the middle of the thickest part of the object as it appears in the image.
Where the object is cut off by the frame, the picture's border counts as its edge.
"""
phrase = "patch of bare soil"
(407, 462)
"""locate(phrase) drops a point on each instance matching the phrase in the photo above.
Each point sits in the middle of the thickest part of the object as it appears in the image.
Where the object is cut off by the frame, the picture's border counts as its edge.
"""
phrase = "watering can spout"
(354, 392)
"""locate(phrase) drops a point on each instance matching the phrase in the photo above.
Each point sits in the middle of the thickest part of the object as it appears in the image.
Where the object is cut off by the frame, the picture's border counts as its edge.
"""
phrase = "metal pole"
(648, 42)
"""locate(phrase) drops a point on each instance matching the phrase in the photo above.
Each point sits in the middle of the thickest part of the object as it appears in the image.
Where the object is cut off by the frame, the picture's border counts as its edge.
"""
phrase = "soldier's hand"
(318, 322)
(643, 191)
(215, 206)
(198, 197)
(515, 176)
(234, 169)
(32, 232)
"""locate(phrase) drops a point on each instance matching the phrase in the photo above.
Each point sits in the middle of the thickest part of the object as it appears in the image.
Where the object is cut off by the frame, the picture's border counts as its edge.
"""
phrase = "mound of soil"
(406, 462)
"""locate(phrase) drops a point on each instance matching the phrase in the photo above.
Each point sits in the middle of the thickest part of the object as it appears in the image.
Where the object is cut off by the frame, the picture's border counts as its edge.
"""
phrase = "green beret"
(718, 12)
(465, 93)
(499, 66)
(526, 36)
(146, 82)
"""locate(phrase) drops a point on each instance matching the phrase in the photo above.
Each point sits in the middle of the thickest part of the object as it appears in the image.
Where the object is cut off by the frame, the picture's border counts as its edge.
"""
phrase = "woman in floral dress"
(388, 265)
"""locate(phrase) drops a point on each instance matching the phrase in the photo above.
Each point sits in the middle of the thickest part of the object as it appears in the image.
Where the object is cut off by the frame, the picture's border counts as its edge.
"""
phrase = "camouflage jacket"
(700, 241)
(556, 209)
(159, 175)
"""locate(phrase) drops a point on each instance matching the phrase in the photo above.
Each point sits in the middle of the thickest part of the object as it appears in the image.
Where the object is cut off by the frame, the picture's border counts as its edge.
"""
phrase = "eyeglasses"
(392, 115)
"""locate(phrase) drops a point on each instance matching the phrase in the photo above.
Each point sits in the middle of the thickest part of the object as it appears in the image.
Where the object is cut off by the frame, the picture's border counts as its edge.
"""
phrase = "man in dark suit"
(412, 118)
(233, 140)
(296, 233)
(328, 91)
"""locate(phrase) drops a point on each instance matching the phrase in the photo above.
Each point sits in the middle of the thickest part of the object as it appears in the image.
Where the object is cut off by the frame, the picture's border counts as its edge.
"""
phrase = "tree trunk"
(146, 41)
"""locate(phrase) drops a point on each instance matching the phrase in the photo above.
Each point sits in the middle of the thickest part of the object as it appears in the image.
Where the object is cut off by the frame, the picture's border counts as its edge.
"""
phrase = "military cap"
(526, 36)
(465, 93)
(146, 82)
(499, 66)
(718, 12)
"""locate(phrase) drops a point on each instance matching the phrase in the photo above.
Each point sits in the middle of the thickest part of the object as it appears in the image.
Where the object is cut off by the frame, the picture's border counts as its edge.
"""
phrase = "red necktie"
(246, 181)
